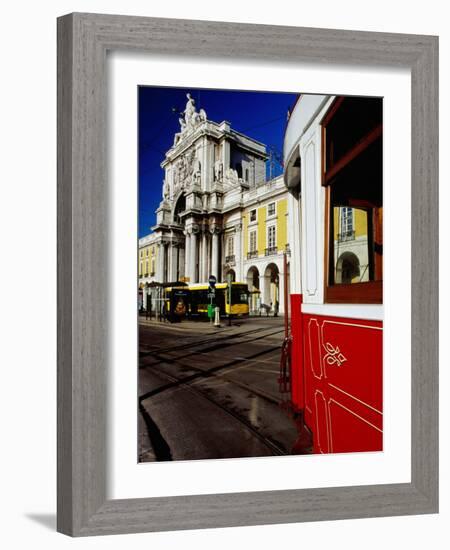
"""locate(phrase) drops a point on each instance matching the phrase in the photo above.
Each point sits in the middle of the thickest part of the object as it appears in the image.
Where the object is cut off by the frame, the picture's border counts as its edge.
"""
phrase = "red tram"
(333, 170)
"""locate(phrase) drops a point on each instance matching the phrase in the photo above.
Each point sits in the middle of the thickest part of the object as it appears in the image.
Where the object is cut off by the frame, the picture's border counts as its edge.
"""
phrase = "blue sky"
(260, 115)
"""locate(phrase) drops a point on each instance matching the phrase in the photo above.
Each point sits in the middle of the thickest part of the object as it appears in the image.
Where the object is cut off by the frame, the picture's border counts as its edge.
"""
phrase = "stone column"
(169, 261)
(144, 297)
(193, 258)
(215, 256)
(181, 262)
(200, 257)
(204, 161)
(161, 263)
(187, 255)
(173, 256)
(238, 253)
(264, 287)
(225, 155)
(204, 259)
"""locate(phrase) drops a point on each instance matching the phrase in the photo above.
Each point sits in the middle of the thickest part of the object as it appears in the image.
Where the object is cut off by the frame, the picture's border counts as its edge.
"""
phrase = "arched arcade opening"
(252, 281)
(271, 290)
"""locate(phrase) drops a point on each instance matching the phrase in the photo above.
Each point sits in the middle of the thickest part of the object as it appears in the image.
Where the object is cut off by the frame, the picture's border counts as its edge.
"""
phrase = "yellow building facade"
(351, 253)
(253, 243)
(147, 261)
(265, 242)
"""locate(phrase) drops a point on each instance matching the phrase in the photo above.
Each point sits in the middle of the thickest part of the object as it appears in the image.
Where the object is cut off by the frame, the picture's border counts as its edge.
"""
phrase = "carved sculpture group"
(191, 119)
(187, 169)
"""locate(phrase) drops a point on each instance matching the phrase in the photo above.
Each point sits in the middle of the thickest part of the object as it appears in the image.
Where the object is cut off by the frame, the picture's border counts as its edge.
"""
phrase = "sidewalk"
(205, 325)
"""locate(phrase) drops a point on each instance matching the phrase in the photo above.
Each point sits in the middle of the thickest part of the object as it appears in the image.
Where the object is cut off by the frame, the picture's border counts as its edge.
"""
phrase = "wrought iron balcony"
(346, 236)
(152, 274)
(230, 259)
(271, 251)
(146, 275)
(252, 254)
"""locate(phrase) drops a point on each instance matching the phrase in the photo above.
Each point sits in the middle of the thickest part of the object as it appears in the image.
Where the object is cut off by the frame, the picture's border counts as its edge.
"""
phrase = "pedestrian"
(269, 309)
(276, 308)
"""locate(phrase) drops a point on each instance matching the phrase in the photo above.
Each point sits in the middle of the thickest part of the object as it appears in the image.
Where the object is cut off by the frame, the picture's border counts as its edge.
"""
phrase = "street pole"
(157, 304)
(229, 298)
(286, 293)
(212, 294)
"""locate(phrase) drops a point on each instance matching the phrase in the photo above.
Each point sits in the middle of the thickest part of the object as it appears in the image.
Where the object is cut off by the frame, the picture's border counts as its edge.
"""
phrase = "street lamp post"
(229, 279)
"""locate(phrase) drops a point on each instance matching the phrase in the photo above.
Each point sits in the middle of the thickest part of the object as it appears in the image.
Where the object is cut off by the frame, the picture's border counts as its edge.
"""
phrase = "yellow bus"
(193, 299)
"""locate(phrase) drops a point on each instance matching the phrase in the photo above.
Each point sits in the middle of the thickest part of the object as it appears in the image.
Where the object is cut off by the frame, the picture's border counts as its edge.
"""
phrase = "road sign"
(212, 281)
(211, 294)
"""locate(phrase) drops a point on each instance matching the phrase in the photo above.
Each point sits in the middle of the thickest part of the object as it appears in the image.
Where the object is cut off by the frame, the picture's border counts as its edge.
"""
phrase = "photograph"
(259, 274)
(233, 215)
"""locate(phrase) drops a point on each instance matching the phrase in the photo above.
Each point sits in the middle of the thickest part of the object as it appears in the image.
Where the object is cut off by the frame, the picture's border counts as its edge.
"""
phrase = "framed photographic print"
(247, 274)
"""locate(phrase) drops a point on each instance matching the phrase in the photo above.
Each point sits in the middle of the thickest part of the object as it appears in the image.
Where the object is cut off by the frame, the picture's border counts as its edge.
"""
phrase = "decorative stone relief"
(231, 176)
(218, 170)
(215, 229)
(166, 191)
(187, 171)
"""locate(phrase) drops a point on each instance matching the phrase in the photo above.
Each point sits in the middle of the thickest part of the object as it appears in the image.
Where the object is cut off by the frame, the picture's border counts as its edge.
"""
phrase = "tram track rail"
(175, 382)
(213, 340)
(206, 373)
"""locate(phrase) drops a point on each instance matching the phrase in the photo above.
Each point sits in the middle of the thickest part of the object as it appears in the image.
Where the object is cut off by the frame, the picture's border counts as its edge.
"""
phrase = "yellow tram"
(194, 299)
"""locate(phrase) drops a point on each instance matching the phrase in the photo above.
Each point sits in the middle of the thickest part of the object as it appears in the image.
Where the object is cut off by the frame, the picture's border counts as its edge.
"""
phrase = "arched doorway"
(347, 268)
(230, 273)
(180, 207)
(271, 291)
(254, 290)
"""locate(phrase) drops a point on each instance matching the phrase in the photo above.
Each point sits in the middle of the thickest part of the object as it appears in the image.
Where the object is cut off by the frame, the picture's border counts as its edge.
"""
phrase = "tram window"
(239, 295)
(353, 178)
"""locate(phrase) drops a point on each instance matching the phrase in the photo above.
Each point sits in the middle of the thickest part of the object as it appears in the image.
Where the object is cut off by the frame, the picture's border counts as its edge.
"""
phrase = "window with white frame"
(346, 223)
(271, 237)
(271, 209)
(252, 241)
(230, 246)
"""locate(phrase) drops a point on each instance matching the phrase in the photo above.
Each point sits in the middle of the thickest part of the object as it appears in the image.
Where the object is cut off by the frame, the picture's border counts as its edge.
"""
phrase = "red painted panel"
(321, 439)
(343, 383)
(364, 435)
(310, 385)
(297, 375)
(352, 354)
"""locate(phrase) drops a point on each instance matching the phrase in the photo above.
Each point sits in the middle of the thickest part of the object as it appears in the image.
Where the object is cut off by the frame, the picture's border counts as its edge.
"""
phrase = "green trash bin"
(210, 311)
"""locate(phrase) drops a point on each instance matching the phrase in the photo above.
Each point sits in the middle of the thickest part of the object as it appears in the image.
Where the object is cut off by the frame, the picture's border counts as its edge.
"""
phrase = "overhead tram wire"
(177, 111)
(174, 110)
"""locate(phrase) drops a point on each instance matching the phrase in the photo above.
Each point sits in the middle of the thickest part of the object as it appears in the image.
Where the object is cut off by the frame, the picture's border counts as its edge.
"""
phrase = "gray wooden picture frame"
(83, 41)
